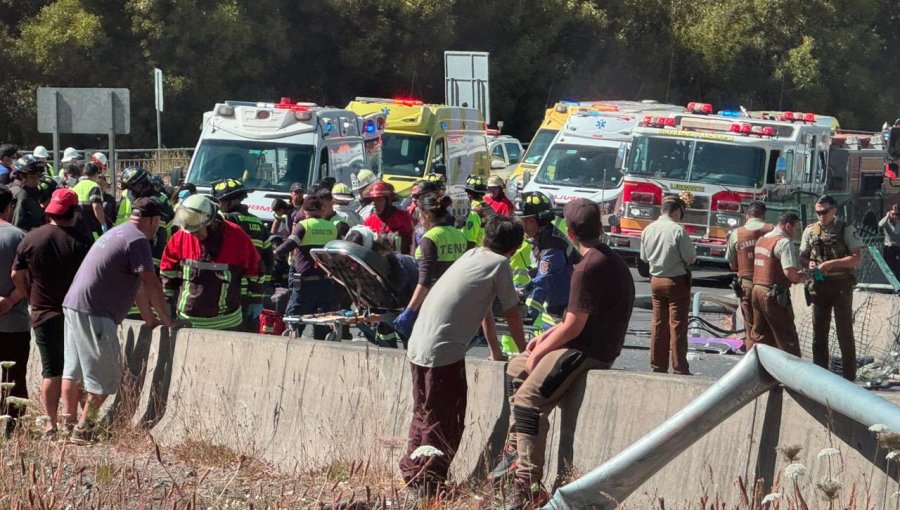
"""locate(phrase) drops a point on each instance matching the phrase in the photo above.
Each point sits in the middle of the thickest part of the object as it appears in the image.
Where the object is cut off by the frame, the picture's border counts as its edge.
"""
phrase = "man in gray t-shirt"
(449, 318)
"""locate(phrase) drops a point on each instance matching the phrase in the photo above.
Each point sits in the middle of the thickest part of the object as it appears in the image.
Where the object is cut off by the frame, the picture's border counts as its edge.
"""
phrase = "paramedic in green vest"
(90, 199)
(476, 188)
(230, 194)
(311, 289)
(441, 245)
(831, 249)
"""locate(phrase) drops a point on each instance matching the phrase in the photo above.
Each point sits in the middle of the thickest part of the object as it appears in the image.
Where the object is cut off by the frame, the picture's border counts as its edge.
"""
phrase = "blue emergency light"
(730, 113)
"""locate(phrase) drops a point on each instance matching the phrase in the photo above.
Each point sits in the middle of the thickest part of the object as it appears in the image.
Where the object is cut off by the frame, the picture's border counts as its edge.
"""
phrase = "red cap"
(61, 201)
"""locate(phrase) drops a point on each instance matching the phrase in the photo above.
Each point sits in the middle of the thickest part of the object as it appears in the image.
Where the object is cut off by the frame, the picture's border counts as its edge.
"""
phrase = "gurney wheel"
(332, 337)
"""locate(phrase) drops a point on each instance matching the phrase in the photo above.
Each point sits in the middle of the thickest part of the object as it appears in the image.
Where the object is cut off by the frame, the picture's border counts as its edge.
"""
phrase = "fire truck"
(718, 163)
(269, 146)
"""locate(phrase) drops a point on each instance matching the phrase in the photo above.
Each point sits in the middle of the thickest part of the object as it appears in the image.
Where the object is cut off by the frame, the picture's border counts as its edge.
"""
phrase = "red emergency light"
(642, 193)
(659, 122)
(704, 108)
(287, 104)
(406, 101)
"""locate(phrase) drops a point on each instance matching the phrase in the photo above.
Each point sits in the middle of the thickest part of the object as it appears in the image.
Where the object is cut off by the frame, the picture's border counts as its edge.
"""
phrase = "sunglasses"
(823, 212)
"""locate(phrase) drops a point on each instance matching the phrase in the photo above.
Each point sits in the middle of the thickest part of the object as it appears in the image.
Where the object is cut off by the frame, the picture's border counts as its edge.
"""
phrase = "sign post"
(158, 96)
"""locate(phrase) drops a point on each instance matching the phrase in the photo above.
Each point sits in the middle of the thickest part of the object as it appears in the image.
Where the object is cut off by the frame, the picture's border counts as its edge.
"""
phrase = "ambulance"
(424, 138)
(585, 158)
(718, 164)
(269, 146)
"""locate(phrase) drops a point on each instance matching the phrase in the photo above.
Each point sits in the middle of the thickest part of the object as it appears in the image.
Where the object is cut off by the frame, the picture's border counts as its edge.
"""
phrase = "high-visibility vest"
(450, 243)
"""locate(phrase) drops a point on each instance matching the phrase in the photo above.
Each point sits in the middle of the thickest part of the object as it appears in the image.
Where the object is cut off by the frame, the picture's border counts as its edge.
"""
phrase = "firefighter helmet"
(362, 179)
(381, 189)
(475, 184)
(341, 192)
(195, 213)
(132, 176)
(495, 181)
(228, 189)
(535, 204)
(440, 179)
(46, 187)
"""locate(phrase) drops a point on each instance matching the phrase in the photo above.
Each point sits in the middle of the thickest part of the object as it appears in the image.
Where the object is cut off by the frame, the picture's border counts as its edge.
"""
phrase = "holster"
(781, 294)
(737, 287)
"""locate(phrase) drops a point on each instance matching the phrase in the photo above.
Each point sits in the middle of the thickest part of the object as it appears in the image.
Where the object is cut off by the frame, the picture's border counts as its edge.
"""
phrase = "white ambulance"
(586, 157)
(269, 146)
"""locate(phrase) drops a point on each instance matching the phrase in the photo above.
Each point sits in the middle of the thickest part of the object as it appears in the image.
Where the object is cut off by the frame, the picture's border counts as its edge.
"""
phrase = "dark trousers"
(439, 411)
(773, 324)
(834, 294)
(671, 299)
(14, 347)
(314, 296)
(892, 257)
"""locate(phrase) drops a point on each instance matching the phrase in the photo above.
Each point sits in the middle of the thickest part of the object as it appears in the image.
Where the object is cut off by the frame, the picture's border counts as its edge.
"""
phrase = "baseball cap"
(61, 201)
(583, 218)
(296, 187)
(146, 207)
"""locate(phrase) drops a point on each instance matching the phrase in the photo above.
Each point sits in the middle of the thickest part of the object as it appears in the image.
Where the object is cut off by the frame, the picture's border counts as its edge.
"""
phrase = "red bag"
(271, 323)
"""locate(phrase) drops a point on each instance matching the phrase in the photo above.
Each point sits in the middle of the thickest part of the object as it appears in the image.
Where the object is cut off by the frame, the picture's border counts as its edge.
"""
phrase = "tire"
(643, 268)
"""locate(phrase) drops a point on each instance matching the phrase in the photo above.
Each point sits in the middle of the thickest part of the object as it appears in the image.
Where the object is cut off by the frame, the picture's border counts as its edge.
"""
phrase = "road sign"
(158, 88)
(466, 80)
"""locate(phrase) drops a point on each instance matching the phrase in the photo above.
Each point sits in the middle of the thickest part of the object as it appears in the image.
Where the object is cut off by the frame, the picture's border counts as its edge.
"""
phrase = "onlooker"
(29, 214)
(8, 155)
(832, 248)
(496, 197)
(667, 248)
(90, 198)
(776, 267)
(297, 194)
(109, 201)
(47, 260)
(117, 271)
(891, 230)
(15, 336)
(739, 254)
(590, 336)
(458, 303)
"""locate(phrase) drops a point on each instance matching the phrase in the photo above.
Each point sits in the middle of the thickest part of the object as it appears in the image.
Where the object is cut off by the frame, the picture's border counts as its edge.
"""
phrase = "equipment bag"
(271, 323)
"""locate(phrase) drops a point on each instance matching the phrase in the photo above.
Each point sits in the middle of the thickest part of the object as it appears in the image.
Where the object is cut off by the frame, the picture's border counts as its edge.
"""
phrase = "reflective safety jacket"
(165, 228)
(548, 292)
(444, 244)
(203, 279)
(306, 235)
(523, 263)
(89, 193)
(254, 227)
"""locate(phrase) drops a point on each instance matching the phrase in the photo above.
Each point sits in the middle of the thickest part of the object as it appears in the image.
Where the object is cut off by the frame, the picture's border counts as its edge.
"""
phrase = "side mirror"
(526, 177)
(177, 176)
(498, 164)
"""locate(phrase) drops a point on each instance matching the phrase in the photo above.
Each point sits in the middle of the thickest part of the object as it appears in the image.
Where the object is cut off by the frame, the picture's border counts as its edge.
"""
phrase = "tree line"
(837, 57)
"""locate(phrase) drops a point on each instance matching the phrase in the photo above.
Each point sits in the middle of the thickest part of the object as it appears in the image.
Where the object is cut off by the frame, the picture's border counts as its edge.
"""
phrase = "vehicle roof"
(247, 120)
(555, 118)
(716, 128)
(425, 119)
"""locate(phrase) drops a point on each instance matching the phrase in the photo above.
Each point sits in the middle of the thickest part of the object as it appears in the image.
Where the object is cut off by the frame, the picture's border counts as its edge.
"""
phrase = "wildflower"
(17, 402)
(771, 498)
(893, 455)
(426, 451)
(829, 488)
(7, 386)
(878, 427)
(828, 452)
(7, 364)
(791, 451)
(795, 471)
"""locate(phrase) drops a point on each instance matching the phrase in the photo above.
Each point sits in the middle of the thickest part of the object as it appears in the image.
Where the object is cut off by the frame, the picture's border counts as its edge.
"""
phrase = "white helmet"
(69, 154)
(195, 212)
(99, 158)
(40, 152)
(362, 179)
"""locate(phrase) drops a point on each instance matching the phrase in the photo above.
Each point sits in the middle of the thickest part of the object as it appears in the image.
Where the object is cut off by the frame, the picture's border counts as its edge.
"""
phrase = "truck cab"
(506, 153)
(422, 138)
(269, 146)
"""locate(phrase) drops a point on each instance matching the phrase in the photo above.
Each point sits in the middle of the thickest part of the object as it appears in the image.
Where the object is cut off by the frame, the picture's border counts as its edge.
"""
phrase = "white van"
(586, 157)
(269, 146)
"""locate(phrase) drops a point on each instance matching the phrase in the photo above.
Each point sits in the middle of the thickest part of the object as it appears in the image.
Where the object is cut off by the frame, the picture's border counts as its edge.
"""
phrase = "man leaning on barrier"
(590, 336)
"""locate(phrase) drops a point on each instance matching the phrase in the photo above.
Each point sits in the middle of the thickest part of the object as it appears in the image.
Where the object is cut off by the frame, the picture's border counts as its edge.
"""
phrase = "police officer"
(312, 290)
(739, 254)
(475, 188)
(230, 194)
(776, 266)
(547, 294)
(831, 250)
(669, 251)
(90, 199)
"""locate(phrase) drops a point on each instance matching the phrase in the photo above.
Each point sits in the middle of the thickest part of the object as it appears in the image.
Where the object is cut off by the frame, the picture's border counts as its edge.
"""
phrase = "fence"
(159, 162)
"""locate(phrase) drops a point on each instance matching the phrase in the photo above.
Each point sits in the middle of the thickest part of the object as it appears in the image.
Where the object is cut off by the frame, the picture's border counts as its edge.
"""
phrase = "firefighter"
(230, 193)
(739, 254)
(776, 266)
(442, 244)
(311, 289)
(478, 211)
(496, 198)
(90, 199)
(204, 264)
(547, 294)
(388, 219)
(830, 248)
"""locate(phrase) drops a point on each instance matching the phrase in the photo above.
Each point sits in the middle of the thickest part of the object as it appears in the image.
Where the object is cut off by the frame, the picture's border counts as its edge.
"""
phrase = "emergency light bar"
(660, 122)
(703, 108)
(400, 101)
(797, 117)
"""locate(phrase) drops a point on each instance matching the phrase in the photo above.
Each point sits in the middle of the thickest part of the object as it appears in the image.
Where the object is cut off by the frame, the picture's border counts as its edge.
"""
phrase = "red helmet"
(381, 189)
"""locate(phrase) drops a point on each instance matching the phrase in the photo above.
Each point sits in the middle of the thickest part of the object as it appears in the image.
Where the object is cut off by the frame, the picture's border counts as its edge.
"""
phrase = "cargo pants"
(533, 396)
(773, 324)
(835, 293)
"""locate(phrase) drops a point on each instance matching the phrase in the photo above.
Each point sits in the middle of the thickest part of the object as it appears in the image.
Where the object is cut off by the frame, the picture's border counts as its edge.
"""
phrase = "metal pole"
(55, 132)
(112, 138)
(158, 143)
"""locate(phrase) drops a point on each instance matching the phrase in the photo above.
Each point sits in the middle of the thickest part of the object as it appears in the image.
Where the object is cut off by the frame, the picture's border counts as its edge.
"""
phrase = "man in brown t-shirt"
(590, 336)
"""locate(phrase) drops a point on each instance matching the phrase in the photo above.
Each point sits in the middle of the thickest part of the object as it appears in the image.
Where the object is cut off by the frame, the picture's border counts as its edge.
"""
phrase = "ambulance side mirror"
(497, 164)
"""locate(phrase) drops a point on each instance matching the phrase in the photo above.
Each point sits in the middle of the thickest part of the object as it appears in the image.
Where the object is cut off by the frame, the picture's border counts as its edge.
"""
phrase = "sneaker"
(509, 463)
(83, 435)
(526, 496)
(50, 435)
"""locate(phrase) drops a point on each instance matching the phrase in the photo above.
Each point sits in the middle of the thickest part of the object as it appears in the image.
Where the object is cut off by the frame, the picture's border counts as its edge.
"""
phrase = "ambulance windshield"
(404, 154)
(538, 147)
(260, 165)
(697, 161)
(580, 166)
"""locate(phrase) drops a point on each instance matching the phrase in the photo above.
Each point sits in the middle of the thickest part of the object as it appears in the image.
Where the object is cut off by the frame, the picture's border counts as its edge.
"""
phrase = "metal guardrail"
(763, 369)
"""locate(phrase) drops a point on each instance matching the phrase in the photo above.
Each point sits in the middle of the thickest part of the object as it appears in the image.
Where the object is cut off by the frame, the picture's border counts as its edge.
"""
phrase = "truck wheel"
(643, 268)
